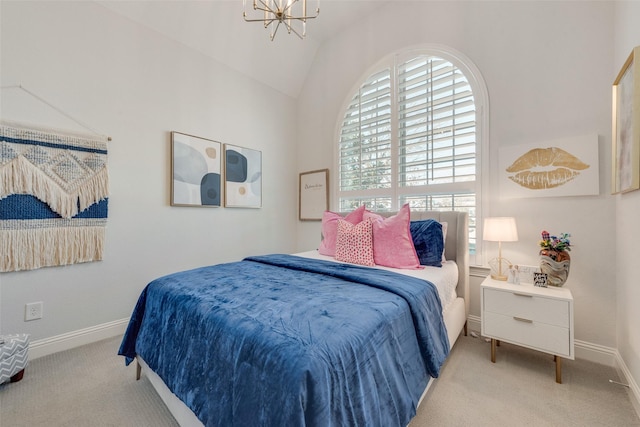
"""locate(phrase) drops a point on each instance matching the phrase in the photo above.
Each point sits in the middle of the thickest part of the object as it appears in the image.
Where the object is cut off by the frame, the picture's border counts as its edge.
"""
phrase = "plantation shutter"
(436, 124)
(365, 138)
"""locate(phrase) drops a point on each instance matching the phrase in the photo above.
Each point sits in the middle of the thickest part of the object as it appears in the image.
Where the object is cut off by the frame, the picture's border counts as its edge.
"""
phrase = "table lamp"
(499, 229)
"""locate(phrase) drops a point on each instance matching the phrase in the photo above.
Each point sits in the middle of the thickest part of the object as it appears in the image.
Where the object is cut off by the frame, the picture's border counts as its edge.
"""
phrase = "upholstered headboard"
(456, 246)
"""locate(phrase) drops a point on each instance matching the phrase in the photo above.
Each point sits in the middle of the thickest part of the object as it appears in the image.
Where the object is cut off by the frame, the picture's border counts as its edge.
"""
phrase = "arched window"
(411, 133)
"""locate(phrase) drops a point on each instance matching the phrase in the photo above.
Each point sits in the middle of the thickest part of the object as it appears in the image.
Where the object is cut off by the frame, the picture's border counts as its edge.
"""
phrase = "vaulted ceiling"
(217, 29)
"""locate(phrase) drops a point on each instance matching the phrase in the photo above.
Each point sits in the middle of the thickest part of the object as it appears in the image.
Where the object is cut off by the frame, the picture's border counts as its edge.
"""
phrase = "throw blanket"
(53, 198)
(281, 340)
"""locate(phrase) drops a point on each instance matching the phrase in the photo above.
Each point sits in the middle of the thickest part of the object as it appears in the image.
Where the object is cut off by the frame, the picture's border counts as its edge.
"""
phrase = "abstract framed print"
(195, 171)
(242, 177)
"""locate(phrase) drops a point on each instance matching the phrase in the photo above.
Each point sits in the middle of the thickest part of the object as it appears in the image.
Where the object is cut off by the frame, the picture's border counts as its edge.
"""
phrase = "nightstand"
(537, 318)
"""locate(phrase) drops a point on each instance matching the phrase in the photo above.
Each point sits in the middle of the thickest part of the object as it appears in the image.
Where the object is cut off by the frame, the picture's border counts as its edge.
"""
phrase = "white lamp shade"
(500, 229)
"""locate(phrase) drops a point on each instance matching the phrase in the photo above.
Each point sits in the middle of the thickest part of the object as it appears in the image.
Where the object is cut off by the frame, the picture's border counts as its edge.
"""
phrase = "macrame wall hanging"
(54, 190)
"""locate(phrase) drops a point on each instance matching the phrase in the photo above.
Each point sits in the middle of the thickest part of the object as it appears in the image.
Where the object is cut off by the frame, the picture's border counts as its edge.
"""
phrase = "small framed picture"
(313, 198)
(540, 280)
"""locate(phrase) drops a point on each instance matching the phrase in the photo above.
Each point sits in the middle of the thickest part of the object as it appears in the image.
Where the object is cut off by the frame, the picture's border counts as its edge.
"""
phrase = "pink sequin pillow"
(330, 229)
(392, 241)
(354, 243)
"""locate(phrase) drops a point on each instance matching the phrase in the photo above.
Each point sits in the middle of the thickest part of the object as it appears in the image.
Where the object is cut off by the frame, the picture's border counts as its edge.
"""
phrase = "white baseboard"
(595, 353)
(46, 346)
(625, 374)
(474, 323)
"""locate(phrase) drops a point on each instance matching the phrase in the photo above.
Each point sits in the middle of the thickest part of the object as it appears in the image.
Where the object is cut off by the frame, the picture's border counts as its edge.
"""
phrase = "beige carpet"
(520, 390)
(86, 386)
(90, 386)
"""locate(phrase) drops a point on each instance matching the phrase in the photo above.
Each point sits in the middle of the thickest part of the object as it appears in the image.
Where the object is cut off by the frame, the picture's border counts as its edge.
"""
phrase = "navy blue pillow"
(428, 241)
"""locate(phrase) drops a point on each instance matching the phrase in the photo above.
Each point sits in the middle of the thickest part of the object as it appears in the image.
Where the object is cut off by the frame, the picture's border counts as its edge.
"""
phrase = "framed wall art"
(626, 127)
(242, 177)
(195, 171)
(554, 168)
(313, 197)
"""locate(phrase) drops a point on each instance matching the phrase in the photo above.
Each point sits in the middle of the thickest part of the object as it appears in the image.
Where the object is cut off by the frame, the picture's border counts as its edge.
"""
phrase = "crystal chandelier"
(285, 12)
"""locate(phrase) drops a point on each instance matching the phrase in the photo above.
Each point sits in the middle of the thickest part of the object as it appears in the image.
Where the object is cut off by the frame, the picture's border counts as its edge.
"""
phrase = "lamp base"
(499, 268)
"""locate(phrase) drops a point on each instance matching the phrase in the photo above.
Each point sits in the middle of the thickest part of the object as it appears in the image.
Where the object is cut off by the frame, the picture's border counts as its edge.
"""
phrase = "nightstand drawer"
(527, 306)
(528, 333)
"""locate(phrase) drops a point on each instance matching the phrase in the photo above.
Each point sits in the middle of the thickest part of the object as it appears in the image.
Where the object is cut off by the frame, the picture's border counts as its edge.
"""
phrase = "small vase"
(555, 265)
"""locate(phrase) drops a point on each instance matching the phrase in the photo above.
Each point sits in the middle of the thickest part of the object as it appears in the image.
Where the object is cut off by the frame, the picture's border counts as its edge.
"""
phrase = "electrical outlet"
(33, 311)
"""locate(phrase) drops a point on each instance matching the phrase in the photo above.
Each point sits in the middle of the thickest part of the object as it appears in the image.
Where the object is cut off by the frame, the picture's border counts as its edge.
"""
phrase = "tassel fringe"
(45, 247)
(69, 174)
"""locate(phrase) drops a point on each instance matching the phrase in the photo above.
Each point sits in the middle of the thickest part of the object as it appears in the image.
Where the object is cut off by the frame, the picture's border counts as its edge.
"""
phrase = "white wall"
(136, 86)
(627, 36)
(547, 66)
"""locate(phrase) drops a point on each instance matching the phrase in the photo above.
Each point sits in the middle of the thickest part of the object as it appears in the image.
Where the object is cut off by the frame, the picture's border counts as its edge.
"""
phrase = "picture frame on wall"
(242, 177)
(560, 167)
(313, 198)
(196, 178)
(626, 126)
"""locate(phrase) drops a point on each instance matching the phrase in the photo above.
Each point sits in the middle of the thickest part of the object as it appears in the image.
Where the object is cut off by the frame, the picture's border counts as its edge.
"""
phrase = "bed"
(315, 341)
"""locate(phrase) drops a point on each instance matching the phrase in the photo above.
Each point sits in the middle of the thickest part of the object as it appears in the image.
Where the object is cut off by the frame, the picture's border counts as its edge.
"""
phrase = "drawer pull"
(520, 319)
(522, 295)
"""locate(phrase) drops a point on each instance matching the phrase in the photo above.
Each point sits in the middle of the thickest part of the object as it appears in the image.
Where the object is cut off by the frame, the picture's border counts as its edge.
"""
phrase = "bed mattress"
(444, 278)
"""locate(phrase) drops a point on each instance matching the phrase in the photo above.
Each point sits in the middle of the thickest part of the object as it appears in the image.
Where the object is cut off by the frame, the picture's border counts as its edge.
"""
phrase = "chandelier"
(281, 12)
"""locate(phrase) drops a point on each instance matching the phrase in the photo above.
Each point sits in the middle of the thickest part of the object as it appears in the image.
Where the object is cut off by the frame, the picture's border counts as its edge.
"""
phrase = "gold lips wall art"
(544, 168)
(559, 167)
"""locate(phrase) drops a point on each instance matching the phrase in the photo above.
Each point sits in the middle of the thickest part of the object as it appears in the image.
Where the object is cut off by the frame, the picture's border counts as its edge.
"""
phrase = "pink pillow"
(330, 229)
(354, 243)
(392, 241)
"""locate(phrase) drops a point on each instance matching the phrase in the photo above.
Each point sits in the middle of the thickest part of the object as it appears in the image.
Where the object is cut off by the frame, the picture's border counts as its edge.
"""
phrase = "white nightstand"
(533, 317)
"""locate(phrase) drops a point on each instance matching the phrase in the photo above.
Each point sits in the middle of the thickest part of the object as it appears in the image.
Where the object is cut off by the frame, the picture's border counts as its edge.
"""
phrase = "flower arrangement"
(554, 257)
(554, 243)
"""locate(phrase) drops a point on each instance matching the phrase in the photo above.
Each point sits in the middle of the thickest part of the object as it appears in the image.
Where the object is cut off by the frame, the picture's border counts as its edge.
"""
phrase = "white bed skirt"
(454, 320)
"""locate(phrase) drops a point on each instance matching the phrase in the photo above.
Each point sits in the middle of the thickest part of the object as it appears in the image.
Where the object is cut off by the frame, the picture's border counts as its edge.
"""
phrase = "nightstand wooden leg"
(558, 360)
(493, 350)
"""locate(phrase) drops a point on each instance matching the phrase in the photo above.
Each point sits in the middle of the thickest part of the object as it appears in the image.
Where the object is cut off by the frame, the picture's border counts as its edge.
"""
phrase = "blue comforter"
(280, 340)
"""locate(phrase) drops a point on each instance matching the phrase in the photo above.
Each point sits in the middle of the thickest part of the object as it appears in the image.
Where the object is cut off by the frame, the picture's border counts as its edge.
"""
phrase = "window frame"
(481, 101)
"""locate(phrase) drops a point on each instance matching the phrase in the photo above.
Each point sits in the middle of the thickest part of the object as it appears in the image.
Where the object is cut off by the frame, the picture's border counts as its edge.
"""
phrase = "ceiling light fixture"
(285, 12)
